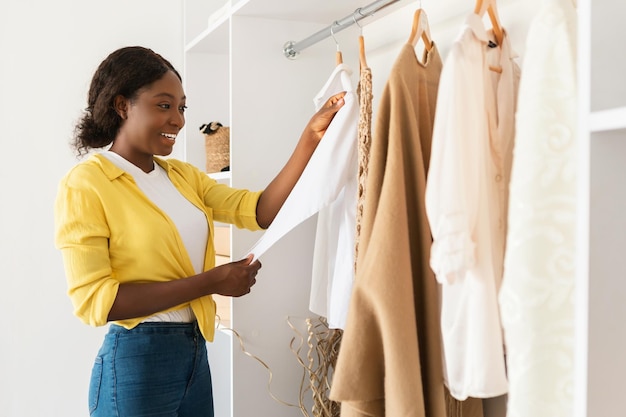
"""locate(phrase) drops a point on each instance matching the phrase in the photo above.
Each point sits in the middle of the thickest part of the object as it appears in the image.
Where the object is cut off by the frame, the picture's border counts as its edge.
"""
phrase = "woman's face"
(153, 120)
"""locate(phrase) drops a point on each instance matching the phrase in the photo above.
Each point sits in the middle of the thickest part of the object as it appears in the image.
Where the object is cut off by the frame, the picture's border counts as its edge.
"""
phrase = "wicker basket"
(217, 146)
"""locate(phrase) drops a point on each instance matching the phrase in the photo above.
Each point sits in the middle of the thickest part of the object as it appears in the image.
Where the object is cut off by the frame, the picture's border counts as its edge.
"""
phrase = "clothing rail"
(292, 49)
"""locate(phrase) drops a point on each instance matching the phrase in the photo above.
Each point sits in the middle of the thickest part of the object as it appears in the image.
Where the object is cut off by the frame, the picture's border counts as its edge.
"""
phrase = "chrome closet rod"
(292, 49)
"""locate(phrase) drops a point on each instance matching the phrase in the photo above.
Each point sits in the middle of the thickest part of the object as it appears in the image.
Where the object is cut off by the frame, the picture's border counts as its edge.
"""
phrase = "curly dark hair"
(124, 72)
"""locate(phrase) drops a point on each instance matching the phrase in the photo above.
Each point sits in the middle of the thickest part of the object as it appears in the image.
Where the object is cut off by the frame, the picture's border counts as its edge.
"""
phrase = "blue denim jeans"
(153, 370)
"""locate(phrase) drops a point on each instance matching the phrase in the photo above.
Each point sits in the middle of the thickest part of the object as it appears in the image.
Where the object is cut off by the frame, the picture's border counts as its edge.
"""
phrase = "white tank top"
(189, 220)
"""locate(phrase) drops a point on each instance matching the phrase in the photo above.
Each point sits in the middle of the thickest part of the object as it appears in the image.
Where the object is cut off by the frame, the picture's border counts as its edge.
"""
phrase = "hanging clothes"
(390, 357)
(466, 202)
(331, 281)
(365, 95)
(333, 254)
(328, 186)
(537, 295)
(330, 168)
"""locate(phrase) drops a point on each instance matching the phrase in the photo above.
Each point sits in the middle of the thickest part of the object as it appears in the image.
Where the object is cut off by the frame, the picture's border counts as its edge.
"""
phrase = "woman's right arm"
(143, 299)
(83, 236)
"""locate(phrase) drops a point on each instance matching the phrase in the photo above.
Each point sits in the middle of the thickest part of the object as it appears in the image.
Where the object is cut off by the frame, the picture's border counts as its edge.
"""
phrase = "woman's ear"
(120, 104)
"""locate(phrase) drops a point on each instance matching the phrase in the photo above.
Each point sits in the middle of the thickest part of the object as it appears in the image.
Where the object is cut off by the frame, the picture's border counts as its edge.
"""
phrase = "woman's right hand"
(143, 299)
(236, 278)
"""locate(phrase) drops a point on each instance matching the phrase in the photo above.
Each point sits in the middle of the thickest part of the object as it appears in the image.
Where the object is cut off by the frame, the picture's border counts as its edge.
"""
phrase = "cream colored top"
(466, 203)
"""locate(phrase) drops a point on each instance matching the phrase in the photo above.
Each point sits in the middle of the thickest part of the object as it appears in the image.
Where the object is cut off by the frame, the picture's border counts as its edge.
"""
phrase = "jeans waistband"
(157, 327)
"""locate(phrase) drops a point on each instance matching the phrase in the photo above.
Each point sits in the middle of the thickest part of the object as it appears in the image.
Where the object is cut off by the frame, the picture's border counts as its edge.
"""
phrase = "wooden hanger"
(490, 7)
(421, 30)
(338, 55)
(362, 59)
(338, 58)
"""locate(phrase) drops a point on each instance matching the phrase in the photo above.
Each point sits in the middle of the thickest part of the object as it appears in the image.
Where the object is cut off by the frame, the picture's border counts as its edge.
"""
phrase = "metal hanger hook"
(332, 34)
(356, 22)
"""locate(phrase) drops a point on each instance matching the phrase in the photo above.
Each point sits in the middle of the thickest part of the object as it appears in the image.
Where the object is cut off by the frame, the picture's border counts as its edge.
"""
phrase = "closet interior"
(239, 70)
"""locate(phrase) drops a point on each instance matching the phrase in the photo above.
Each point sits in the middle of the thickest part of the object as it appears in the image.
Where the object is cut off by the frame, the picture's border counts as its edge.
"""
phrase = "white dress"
(466, 203)
(328, 185)
(537, 295)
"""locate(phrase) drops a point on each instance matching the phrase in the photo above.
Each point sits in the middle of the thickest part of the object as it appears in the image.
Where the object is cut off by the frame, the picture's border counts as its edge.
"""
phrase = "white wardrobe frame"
(235, 72)
(601, 289)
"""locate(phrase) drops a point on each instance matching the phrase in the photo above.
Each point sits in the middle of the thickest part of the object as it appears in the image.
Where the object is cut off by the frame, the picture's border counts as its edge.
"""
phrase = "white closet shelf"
(220, 175)
(611, 119)
(225, 328)
(212, 40)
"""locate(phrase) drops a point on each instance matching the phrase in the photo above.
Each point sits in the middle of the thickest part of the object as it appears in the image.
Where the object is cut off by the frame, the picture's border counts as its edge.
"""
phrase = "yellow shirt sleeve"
(82, 236)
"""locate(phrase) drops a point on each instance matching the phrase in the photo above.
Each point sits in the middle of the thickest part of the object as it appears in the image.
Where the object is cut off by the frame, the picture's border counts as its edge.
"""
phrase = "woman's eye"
(182, 109)
(164, 106)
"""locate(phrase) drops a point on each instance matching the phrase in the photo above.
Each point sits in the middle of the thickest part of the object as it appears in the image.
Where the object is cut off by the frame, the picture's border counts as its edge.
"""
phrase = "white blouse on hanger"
(466, 203)
(537, 295)
(333, 255)
(328, 185)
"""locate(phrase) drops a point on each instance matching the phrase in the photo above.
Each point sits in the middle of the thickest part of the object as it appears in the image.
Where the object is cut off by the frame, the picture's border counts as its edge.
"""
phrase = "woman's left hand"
(321, 120)
(277, 191)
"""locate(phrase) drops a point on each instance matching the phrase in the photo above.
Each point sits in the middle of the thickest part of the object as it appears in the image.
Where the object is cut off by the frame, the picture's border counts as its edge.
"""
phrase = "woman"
(136, 233)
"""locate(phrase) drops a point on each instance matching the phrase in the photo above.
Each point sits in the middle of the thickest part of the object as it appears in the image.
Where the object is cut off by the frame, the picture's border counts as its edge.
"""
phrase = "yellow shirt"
(110, 233)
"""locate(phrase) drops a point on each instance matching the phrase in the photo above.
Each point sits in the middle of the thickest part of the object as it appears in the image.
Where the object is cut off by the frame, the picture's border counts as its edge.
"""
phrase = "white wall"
(48, 53)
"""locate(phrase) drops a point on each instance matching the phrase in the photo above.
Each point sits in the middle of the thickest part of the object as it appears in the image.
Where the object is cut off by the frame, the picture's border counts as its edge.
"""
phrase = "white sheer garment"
(328, 185)
(537, 295)
(466, 204)
(333, 255)
(331, 166)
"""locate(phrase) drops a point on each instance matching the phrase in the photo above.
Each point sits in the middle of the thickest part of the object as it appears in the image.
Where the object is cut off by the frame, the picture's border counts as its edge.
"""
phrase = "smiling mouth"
(170, 136)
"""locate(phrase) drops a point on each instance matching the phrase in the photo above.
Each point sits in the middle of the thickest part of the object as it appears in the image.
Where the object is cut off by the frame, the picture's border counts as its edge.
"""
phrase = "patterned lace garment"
(364, 92)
